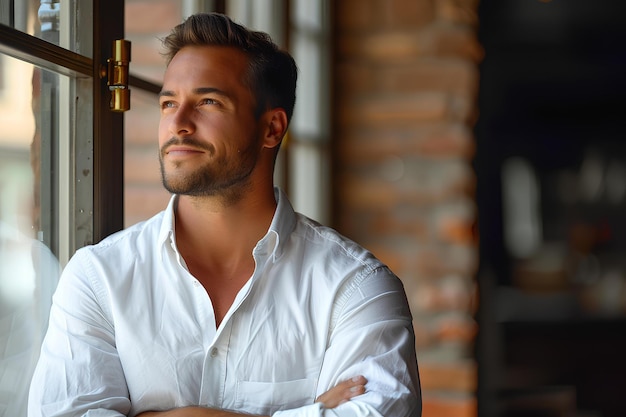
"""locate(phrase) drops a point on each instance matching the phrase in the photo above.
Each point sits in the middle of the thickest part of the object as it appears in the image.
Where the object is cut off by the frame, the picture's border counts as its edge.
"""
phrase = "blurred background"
(550, 167)
(477, 147)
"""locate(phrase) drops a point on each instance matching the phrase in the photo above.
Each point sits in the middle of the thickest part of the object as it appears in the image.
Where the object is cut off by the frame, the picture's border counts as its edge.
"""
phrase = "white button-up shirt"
(132, 330)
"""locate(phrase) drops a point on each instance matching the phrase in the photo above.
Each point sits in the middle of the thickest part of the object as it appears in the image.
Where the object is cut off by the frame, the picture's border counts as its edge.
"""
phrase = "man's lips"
(185, 147)
(182, 150)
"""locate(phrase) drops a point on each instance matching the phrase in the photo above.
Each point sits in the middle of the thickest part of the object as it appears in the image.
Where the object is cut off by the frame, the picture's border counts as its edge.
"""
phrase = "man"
(228, 301)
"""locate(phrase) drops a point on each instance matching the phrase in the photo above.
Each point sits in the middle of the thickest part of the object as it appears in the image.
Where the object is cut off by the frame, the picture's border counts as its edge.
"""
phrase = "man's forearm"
(335, 396)
(193, 412)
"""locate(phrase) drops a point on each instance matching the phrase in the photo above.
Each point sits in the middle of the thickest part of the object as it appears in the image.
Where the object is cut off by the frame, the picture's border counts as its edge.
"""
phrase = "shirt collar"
(283, 223)
(167, 224)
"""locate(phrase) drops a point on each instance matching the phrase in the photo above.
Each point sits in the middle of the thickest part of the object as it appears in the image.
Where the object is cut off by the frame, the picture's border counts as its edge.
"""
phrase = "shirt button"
(214, 352)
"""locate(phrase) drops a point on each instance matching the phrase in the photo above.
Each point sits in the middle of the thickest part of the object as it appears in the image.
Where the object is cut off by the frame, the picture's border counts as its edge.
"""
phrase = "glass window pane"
(55, 21)
(29, 270)
(45, 208)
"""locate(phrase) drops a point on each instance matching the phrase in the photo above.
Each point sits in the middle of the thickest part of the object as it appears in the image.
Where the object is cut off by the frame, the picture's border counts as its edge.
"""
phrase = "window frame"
(107, 143)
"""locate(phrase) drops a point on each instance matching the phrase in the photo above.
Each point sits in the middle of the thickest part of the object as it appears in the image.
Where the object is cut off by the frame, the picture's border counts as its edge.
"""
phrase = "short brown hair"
(272, 73)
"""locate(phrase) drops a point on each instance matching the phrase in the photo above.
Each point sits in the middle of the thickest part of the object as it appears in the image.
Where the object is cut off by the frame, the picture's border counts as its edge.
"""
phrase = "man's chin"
(178, 187)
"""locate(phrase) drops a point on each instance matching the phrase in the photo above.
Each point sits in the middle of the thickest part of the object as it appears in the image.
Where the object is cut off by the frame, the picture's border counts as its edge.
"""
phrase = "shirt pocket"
(265, 398)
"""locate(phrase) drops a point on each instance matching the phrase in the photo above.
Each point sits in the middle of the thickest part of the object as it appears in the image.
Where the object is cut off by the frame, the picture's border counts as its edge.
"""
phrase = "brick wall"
(406, 77)
(147, 21)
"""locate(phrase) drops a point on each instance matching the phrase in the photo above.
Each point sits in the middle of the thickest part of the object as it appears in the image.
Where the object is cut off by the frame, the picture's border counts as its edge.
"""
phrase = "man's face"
(209, 139)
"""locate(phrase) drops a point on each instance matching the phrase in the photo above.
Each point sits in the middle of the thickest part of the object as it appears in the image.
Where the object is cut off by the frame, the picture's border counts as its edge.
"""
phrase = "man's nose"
(182, 121)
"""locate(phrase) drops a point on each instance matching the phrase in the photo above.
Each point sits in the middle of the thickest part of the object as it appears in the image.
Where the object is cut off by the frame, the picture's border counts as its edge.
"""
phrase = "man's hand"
(343, 392)
(335, 396)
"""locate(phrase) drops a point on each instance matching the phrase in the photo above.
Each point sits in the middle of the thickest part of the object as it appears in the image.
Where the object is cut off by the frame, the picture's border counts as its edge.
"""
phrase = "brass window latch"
(118, 76)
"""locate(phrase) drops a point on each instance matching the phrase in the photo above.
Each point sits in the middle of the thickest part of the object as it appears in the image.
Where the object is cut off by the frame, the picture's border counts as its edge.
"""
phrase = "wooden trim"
(43, 54)
(108, 152)
(143, 84)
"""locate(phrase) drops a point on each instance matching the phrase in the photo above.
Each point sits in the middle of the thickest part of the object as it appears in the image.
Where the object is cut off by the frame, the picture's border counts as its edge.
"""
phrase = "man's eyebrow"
(199, 90)
(205, 90)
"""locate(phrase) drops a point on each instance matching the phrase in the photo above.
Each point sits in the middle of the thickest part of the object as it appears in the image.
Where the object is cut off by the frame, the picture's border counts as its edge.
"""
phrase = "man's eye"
(208, 101)
(167, 104)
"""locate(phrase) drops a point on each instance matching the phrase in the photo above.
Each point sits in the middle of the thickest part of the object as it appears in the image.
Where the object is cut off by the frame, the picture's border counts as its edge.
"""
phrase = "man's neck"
(224, 232)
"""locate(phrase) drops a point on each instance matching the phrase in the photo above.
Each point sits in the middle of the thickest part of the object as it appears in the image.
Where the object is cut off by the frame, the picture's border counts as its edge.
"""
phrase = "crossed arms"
(337, 395)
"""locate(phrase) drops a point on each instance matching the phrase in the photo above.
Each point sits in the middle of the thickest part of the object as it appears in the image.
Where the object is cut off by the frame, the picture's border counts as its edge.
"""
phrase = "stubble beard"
(221, 177)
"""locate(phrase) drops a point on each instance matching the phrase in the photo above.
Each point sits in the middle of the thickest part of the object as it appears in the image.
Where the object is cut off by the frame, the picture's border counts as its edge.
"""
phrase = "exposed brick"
(407, 13)
(427, 75)
(400, 222)
(417, 188)
(354, 15)
(437, 140)
(449, 75)
(141, 166)
(401, 46)
(454, 222)
(383, 46)
(462, 12)
(150, 73)
(380, 194)
(456, 328)
(424, 336)
(142, 202)
(443, 329)
(146, 52)
(457, 230)
(142, 122)
(365, 16)
(450, 293)
(445, 406)
(446, 259)
(355, 76)
(152, 16)
(392, 257)
(462, 108)
(460, 376)
(410, 108)
(453, 140)
(451, 41)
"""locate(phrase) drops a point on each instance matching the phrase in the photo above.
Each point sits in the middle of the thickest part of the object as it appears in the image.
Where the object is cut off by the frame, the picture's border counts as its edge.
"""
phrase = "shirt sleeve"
(372, 336)
(79, 372)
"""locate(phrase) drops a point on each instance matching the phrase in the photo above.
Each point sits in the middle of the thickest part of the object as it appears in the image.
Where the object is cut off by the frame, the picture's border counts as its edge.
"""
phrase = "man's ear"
(276, 127)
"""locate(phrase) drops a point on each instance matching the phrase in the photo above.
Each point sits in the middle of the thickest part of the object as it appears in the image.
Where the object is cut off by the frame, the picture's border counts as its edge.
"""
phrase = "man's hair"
(272, 72)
